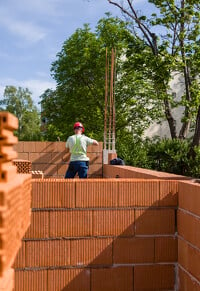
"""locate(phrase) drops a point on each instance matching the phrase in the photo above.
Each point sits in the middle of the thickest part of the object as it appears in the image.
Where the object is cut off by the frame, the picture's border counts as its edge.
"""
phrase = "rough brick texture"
(23, 166)
(15, 202)
(100, 234)
(52, 160)
(110, 171)
(189, 235)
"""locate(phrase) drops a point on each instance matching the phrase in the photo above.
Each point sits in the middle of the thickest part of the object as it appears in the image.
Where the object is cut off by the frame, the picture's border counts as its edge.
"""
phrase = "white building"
(162, 130)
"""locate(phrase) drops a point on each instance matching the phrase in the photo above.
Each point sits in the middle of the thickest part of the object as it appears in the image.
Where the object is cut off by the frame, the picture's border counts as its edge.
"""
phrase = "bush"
(166, 155)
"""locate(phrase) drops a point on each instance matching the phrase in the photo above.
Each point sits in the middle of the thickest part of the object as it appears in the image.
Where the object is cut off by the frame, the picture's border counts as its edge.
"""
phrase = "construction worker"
(77, 146)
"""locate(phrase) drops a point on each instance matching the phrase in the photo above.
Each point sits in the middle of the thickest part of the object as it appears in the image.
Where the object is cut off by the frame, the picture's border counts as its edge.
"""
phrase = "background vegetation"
(149, 50)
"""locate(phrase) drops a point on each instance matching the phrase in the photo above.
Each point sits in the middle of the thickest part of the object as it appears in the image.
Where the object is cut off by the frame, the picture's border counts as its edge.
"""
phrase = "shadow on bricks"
(112, 234)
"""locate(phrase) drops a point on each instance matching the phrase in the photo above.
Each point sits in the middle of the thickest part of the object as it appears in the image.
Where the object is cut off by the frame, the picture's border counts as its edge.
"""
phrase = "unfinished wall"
(189, 236)
(15, 200)
(100, 234)
(110, 171)
(52, 160)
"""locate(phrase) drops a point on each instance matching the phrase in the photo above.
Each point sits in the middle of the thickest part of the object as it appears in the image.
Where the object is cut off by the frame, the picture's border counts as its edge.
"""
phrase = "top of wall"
(110, 171)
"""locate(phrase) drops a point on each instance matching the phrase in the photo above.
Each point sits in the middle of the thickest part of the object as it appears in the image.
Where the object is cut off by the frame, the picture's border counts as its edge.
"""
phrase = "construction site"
(122, 229)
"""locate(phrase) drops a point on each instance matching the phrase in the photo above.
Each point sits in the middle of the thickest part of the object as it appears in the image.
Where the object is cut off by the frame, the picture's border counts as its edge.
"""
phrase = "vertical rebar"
(114, 77)
(111, 102)
(109, 117)
(106, 101)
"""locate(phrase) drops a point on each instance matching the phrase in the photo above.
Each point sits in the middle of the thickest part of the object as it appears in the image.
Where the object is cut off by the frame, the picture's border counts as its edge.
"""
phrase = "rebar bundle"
(109, 114)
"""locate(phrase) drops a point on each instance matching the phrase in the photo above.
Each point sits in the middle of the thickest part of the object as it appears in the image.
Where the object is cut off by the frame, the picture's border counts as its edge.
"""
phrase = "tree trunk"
(186, 125)
(196, 137)
(171, 121)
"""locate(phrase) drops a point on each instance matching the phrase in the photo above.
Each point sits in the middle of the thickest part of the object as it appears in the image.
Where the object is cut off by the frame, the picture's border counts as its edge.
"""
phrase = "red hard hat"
(79, 124)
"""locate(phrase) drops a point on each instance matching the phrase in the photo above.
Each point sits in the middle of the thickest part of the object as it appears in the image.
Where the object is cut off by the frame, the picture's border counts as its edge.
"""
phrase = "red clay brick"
(8, 172)
(95, 169)
(8, 121)
(154, 277)
(20, 258)
(95, 149)
(60, 157)
(59, 253)
(62, 168)
(96, 193)
(168, 193)
(70, 223)
(29, 146)
(133, 250)
(47, 253)
(40, 146)
(189, 197)
(37, 253)
(133, 172)
(51, 147)
(51, 158)
(40, 158)
(188, 227)
(23, 156)
(113, 222)
(189, 258)
(69, 279)
(31, 280)
(53, 193)
(39, 227)
(60, 146)
(155, 221)
(7, 138)
(19, 147)
(187, 282)
(95, 158)
(93, 251)
(48, 169)
(138, 193)
(7, 280)
(166, 249)
(115, 279)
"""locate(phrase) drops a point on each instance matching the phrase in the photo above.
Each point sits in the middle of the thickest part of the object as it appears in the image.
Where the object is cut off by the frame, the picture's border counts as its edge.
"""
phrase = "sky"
(33, 32)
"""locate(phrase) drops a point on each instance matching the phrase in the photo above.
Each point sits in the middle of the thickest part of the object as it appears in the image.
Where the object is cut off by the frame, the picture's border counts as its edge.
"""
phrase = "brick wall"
(110, 171)
(189, 236)
(15, 200)
(100, 234)
(51, 158)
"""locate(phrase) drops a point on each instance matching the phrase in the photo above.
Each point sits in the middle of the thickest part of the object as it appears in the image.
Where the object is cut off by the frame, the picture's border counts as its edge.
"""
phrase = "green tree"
(175, 49)
(80, 75)
(79, 78)
(19, 102)
(51, 116)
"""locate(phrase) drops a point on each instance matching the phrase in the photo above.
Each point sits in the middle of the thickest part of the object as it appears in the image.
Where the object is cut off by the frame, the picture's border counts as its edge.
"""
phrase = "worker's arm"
(95, 142)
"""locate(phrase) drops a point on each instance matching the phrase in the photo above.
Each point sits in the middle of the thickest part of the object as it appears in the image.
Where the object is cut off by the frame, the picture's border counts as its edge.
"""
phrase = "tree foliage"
(175, 49)
(18, 101)
(79, 71)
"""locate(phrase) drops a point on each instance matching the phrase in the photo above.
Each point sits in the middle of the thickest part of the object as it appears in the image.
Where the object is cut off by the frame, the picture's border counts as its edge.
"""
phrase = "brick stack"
(15, 201)
(189, 236)
(100, 234)
(23, 166)
(37, 174)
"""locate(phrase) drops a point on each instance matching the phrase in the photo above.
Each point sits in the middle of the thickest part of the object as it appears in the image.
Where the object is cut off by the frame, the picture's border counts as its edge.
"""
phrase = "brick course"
(97, 232)
(51, 158)
(15, 202)
(188, 236)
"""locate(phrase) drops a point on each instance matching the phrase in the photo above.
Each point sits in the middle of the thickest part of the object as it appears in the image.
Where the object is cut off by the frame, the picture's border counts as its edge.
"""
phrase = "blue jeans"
(80, 167)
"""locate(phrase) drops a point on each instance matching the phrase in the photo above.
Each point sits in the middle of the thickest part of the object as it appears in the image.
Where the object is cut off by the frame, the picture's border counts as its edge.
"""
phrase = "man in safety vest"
(77, 145)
